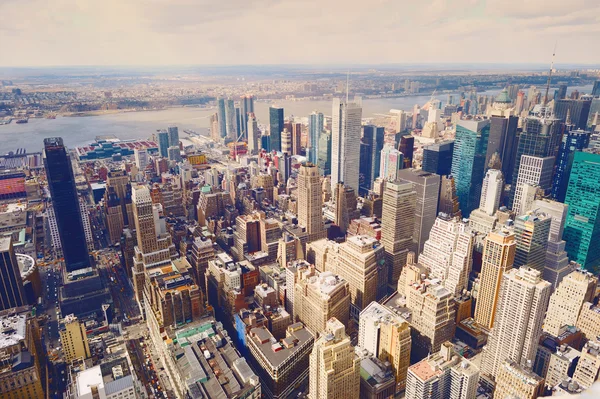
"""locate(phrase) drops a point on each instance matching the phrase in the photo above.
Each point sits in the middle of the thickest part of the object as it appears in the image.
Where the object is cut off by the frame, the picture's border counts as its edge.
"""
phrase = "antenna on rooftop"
(550, 75)
(347, 85)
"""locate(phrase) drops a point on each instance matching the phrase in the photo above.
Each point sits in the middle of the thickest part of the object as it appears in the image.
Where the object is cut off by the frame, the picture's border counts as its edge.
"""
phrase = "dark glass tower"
(437, 158)
(596, 89)
(66, 204)
(578, 111)
(503, 140)
(572, 140)
(12, 293)
(163, 143)
(371, 146)
(173, 136)
(407, 148)
(276, 127)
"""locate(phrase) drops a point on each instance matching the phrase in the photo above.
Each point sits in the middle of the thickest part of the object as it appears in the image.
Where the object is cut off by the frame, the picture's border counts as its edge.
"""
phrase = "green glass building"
(468, 162)
(582, 227)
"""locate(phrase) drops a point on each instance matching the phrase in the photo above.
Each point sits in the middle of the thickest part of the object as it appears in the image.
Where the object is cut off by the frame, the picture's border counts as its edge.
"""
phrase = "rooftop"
(12, 330)
(279, 351)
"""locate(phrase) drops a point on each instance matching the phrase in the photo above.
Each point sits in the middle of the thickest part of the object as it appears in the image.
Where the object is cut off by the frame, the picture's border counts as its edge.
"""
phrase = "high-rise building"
(540, 138)
(491, 191)
(516, 381)
(230, 120)
(73, 337)
(572, 140)
(318, 297)
(503, 140)
(324, 153)
(315, 128)
(533, 171)
(577, 111)
(286, 141)
(397, 225)
(222, 119)
(141, 158)
(65, 201)
(589, 320)
(174, 154)
(370, 160)
(444, 374)
(386, 336)
(407, 148)
(468, 161)
(173, 136)
(448, 203)
(334, 367)
(310, 202)
(437, 157)
(275, 127)
(247, 103)
(345, 143)
(252, 132)
(498, 258)
(447, 254)
(517, 327)
(12, 294)
(582, 228)
(588, 367)
(567, 301)
(163, 143)
(596, 89)
(531, 236)
(390, 163)
(427, 187)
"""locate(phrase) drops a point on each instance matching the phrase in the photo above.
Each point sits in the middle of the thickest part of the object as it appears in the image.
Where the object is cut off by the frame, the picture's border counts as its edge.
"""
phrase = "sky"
(245, 32)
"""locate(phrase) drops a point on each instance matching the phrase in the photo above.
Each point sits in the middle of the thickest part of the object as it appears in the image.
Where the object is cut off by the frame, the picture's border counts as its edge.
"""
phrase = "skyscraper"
(531, 236)
(503, 140)
(491, 191)
(230, 120)
(448, 203)
(407, 148)
(173, 136)
(468, 161)
(540, 138)
(582, 228)
(345, 143)
(222, 119)
(596, 88)
(373, 137)
(275, 127)
(572, 140)
(577, 110)
(588, 367)
(163, 143)
(516, 331)
(533, 172)
(65, 201)
(253, 133)
(310, 202)
(427, 187)
(74, 340)
(397, 225)
(324, 153)
(390, 163)
(12, 294)
(334, 367)
(437, 158)
(315, 128)
(498, 258)
(247, 103)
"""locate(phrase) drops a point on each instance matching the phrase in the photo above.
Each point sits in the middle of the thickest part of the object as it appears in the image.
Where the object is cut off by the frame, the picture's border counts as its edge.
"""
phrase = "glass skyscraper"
(468, 162)
(437, 158)
(221, 117)
(372, 141)
(315, 127)
(572, 140)
(275, 127)
(577, 110)
(61, 183)
(582, 227)
(324, 159)
(163, 143)
(173, 136)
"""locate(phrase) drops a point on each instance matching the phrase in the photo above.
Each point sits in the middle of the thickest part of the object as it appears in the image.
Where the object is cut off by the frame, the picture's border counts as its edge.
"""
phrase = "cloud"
(164, 32)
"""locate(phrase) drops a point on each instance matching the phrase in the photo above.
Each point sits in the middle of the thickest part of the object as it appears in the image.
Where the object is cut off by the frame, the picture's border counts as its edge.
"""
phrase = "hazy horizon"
(38, 33)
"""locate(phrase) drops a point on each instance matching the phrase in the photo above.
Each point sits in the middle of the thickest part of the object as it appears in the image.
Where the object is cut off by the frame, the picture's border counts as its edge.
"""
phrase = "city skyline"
(134, 32)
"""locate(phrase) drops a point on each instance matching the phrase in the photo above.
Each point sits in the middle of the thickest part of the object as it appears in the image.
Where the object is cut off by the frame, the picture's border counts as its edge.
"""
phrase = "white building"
(345, 143)
(534, 172)
(141, 158)
(491, 191)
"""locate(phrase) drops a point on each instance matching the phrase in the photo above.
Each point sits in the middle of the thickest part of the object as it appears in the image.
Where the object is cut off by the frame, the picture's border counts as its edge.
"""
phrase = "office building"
(468, 162)
(141, 158)
(73, 337)
(516, 381)
(503, 141)
(275, 127)
(12, 294)
(535, 172)
(540, 138)
(577, 111)
(444, 374)
(397, 225)
(448, 203)
(174, 153)
(345, 143)
(407, 148)
(252, 132)
(561, 365)
(317, 297)
(588, 367)
(163, 143)
(65, 201)
(230, 120)
(334, 367)
(315, 128)
(247, 103)
(23, 372)
(437, 158)
(531, 236)
(427, 187)
(222, 119)
(282, 365)
(324, 153)
(447, 254)
(589, 320)
(310, 202)
(173, 136)
(567, 301)
(286, 141)
(582, 227)
(370, 160)
(498, 257)
(376, 378)
(491, 191)
(572, 140)
(386, 336)
(522, 303)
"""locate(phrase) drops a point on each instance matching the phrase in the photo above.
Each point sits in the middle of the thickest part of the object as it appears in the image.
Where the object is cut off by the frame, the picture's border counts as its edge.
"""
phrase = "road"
(51, 282)
(121, 290)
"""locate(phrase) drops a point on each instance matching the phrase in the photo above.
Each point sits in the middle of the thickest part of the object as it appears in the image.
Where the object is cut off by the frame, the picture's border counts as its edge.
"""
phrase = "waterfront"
(78, 131)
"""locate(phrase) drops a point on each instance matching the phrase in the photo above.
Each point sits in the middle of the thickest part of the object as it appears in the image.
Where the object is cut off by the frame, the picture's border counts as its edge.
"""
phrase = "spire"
(549, 76)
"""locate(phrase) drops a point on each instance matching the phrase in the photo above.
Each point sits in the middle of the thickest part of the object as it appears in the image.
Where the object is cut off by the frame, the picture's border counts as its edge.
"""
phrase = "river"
(77, 131)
